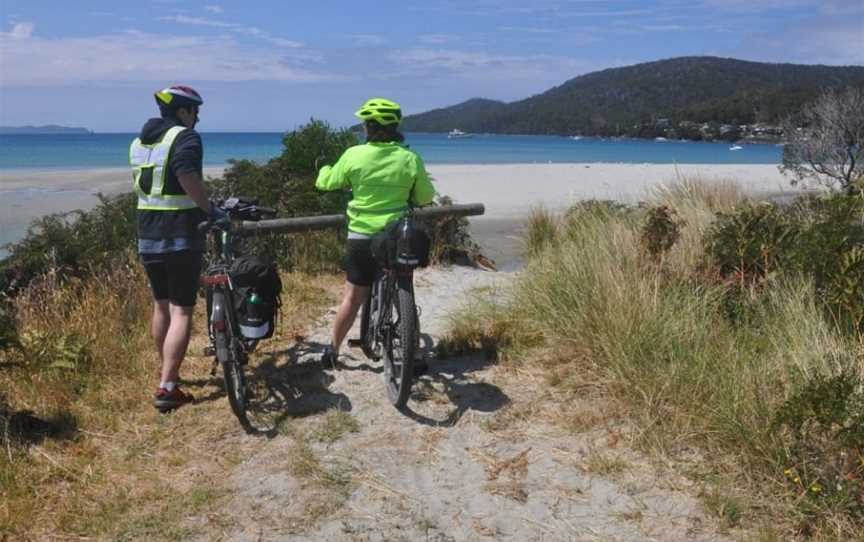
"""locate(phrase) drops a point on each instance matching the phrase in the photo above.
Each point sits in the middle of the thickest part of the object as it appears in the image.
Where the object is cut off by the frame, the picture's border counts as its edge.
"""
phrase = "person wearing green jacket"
(385, 177)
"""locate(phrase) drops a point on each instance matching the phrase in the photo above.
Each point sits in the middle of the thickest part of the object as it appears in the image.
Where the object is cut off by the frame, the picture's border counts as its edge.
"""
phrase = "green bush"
(287, 183)
(818, 237)
(72, 244)
(823, 425)
(661, 230)
(753, 241)
(450, 238)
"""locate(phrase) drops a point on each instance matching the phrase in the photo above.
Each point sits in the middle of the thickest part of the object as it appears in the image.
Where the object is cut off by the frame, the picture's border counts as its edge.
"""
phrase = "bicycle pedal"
(355, 343)
(209, 351)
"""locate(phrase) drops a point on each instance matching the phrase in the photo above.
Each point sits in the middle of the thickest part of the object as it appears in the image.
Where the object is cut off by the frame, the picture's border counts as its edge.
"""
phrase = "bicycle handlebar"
(237, 208)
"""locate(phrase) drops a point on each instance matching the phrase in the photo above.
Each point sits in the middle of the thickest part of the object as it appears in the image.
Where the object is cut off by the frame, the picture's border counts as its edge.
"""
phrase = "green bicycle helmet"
(381, 110)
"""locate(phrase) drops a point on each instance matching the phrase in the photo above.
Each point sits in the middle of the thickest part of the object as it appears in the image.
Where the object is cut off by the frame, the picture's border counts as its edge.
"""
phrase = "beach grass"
(762, 380)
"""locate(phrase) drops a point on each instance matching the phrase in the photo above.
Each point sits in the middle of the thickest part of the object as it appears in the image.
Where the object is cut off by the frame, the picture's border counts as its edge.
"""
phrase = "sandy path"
(459, 467)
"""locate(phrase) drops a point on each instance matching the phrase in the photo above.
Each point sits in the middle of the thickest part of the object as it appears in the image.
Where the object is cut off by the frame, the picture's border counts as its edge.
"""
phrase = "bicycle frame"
(221, 312)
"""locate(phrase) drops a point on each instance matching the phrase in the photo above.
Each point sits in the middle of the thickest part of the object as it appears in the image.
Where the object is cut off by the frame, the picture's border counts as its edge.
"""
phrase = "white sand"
(509, 191)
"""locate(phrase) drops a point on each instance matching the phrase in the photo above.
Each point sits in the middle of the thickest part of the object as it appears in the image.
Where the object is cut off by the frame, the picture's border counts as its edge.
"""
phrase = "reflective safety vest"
(149, 170)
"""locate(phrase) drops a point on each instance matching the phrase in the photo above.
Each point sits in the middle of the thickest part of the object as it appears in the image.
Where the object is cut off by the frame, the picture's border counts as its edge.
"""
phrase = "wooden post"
(323, 222)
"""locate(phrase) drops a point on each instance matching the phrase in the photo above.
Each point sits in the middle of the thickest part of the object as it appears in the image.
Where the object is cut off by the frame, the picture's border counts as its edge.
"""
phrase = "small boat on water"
(576, 137)
(456, 133)
(735, 148)
(660, 139)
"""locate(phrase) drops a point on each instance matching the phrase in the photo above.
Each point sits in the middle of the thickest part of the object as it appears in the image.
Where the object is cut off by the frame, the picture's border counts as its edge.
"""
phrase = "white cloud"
(128, 57)
(20, 31)
(236, 28)
(214, 9)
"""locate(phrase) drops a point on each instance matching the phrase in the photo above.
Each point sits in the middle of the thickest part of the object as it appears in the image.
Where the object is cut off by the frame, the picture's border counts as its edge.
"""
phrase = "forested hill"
(626, 100)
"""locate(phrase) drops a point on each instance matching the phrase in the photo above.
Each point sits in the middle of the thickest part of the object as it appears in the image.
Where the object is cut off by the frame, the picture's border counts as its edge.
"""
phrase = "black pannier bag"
(401, 243)
(256, 295)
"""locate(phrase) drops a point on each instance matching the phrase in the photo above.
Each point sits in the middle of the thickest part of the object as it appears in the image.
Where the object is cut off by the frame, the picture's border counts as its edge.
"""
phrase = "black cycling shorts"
(359, 264)
(174, 276)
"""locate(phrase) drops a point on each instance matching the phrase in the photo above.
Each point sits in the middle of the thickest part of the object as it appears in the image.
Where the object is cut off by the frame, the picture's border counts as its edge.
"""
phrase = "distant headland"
(50, 129)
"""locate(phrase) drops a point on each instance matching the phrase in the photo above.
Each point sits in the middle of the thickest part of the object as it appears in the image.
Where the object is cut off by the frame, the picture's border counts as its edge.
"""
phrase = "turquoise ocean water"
(78, 152)
(110, 150)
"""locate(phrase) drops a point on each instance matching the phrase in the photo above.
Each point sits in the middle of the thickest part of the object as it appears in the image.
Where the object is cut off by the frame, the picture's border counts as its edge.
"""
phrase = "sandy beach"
(509, 191)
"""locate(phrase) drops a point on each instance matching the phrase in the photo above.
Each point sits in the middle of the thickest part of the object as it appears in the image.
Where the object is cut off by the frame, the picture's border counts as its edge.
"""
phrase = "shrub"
(752, 242)
(660, 232)
(821, 238)
(451, 238)
(72, 244)
(823, 425)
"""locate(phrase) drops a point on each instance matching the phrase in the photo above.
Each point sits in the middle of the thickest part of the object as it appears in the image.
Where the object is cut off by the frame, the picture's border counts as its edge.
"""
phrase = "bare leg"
(176, 341)
(159, 326)
(353, 299)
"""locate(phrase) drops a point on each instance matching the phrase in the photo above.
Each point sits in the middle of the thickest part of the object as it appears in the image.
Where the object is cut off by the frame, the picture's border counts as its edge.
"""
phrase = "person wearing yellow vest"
(384, 176)
(166, 160)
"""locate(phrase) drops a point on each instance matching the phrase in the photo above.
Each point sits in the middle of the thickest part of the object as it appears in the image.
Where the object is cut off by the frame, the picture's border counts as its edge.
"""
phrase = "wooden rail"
(323, 222)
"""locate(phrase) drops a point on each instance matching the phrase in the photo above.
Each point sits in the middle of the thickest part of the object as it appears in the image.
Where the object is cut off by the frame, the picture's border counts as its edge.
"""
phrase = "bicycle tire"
(229, 355)
(399, 342)
(366, 338)
(235, 388)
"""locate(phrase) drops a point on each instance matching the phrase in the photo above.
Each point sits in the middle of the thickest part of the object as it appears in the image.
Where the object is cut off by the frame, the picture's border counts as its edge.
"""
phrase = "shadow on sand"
(281, 387)
(452, 376)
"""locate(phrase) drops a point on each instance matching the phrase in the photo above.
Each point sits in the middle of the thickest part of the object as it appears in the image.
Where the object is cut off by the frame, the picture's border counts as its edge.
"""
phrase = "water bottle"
(255, 325)
(405, 244)
(254, 305)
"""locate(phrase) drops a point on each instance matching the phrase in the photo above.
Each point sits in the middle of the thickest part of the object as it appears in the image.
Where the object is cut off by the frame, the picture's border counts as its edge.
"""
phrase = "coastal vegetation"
(728, 330)
(687, 97)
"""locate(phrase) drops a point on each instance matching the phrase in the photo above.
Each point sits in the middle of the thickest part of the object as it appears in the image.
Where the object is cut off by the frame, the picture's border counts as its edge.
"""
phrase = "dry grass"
(106, 465)
(603, 463)
(335, 424)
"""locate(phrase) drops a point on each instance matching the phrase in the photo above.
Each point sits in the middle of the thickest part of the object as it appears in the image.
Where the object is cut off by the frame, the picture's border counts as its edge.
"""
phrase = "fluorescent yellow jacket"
(384, 178)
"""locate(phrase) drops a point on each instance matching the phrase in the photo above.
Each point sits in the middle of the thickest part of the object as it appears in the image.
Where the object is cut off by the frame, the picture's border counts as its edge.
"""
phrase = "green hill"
(625, 100)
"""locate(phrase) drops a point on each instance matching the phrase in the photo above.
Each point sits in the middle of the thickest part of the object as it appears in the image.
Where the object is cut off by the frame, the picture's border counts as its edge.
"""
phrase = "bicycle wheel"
(399, 341)
(230, 354)
(366, 338)
(235, 388)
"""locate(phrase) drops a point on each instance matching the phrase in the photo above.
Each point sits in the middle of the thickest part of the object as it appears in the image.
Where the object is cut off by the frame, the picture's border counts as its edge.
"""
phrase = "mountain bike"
(389, 321)
(230, 348)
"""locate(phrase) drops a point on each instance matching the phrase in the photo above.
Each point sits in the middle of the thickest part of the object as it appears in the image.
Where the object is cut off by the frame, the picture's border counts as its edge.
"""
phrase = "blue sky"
(270, 65)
